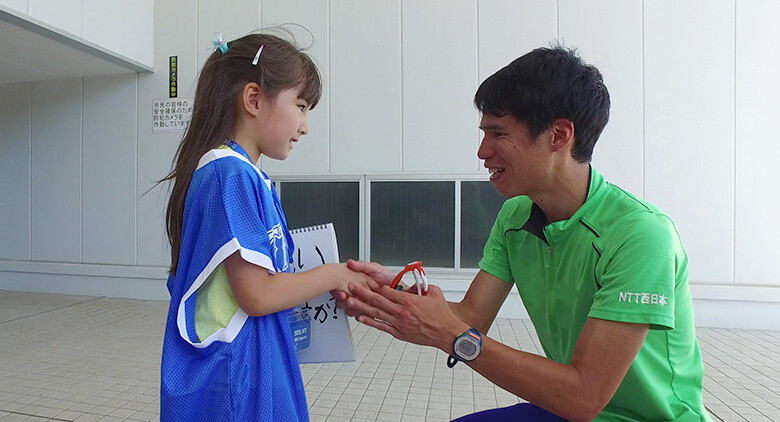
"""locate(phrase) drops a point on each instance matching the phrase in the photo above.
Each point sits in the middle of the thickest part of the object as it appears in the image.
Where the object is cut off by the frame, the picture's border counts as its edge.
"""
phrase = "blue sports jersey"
(247, 371)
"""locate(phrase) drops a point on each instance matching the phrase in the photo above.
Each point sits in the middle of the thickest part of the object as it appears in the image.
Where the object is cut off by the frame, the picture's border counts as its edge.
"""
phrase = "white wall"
(692, 86)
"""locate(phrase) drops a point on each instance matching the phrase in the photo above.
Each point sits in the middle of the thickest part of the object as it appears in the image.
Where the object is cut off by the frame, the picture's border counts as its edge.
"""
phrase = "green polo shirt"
(617, 258)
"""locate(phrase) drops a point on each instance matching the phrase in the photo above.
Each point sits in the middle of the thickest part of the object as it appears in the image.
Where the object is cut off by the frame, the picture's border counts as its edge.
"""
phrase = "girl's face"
(285, 121)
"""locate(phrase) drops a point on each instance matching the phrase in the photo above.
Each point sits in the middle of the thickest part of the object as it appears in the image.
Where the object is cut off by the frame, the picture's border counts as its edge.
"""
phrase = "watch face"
(466, 348)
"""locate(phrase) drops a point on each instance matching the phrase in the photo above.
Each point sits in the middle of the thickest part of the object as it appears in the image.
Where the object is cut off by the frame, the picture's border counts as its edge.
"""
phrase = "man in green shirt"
(602, 274)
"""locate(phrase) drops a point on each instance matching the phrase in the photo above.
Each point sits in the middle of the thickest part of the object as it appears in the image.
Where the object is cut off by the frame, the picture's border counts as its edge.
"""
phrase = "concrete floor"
(79, 358)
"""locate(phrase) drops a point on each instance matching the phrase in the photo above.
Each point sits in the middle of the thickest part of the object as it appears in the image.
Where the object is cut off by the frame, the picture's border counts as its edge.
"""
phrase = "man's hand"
(425, 320)
(378, 273)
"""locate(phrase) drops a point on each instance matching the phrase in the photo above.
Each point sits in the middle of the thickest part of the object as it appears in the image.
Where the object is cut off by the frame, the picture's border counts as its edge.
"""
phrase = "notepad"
(320, 330)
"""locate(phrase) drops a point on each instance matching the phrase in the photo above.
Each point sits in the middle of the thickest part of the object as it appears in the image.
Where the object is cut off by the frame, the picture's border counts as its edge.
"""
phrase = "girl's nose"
(304, 128)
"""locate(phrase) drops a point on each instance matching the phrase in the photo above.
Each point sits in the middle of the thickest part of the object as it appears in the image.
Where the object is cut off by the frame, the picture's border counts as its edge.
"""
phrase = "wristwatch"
(466, 347)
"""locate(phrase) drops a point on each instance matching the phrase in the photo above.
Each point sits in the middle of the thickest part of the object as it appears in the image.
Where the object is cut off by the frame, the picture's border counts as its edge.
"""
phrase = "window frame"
(456, 273)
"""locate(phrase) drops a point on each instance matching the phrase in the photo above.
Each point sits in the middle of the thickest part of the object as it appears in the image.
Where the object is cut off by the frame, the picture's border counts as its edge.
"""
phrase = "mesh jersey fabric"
(617, 258)
(247, 371)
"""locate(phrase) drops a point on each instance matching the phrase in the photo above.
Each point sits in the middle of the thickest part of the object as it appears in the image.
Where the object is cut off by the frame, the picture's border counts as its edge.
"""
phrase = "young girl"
(228, 353)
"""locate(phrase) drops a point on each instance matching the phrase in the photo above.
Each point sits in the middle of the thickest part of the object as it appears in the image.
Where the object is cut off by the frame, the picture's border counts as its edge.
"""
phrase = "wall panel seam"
(30, 173)
(734, 159)
(477, 74)
(401, 77)
(329, 144)
(137, 163)
(644, 108)
(81, 174)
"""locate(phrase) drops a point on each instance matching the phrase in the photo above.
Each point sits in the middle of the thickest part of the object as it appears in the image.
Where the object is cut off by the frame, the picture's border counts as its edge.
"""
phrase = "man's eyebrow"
(491, 127)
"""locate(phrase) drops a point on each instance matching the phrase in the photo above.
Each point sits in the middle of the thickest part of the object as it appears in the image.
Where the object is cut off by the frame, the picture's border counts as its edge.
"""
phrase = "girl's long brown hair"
(281, 66)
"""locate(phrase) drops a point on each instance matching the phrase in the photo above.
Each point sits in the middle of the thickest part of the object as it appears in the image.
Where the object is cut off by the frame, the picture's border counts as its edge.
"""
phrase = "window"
(412, 221)
(409, 220)
(480, 203)
(312, 203)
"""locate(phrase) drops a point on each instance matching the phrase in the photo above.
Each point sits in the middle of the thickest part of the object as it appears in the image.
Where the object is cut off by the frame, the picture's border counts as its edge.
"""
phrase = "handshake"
(374, 276)
(383, 302)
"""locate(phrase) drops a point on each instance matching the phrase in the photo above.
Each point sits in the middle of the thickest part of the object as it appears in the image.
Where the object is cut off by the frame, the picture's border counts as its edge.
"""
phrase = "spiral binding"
(311, 228)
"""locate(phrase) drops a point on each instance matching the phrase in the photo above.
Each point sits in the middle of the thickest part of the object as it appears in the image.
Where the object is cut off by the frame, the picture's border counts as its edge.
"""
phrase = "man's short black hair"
(548, 84)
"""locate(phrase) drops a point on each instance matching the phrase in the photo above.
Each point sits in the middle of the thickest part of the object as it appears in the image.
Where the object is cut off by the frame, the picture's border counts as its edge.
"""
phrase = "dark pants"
(518, 412)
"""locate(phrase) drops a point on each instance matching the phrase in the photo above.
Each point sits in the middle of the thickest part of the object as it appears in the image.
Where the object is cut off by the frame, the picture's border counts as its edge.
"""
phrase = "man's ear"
(251, 98)
(563, 134)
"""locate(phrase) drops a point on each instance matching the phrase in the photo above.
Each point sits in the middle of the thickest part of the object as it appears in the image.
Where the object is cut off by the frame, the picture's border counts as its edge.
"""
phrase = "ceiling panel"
(33, 51)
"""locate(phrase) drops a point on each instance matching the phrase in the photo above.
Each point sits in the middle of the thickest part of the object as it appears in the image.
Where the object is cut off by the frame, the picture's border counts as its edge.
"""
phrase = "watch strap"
(451, 361)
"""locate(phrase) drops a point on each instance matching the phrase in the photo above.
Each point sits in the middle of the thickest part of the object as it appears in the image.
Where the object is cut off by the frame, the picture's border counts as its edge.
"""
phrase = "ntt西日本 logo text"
(643, 298)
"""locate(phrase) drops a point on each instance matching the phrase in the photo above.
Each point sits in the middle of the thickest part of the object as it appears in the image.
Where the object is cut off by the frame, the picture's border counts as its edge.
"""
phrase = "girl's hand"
(345, 277)
(380, 275)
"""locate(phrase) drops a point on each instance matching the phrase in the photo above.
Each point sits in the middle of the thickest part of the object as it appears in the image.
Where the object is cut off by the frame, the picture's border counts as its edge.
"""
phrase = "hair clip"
(257, 56)
(219, 43)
